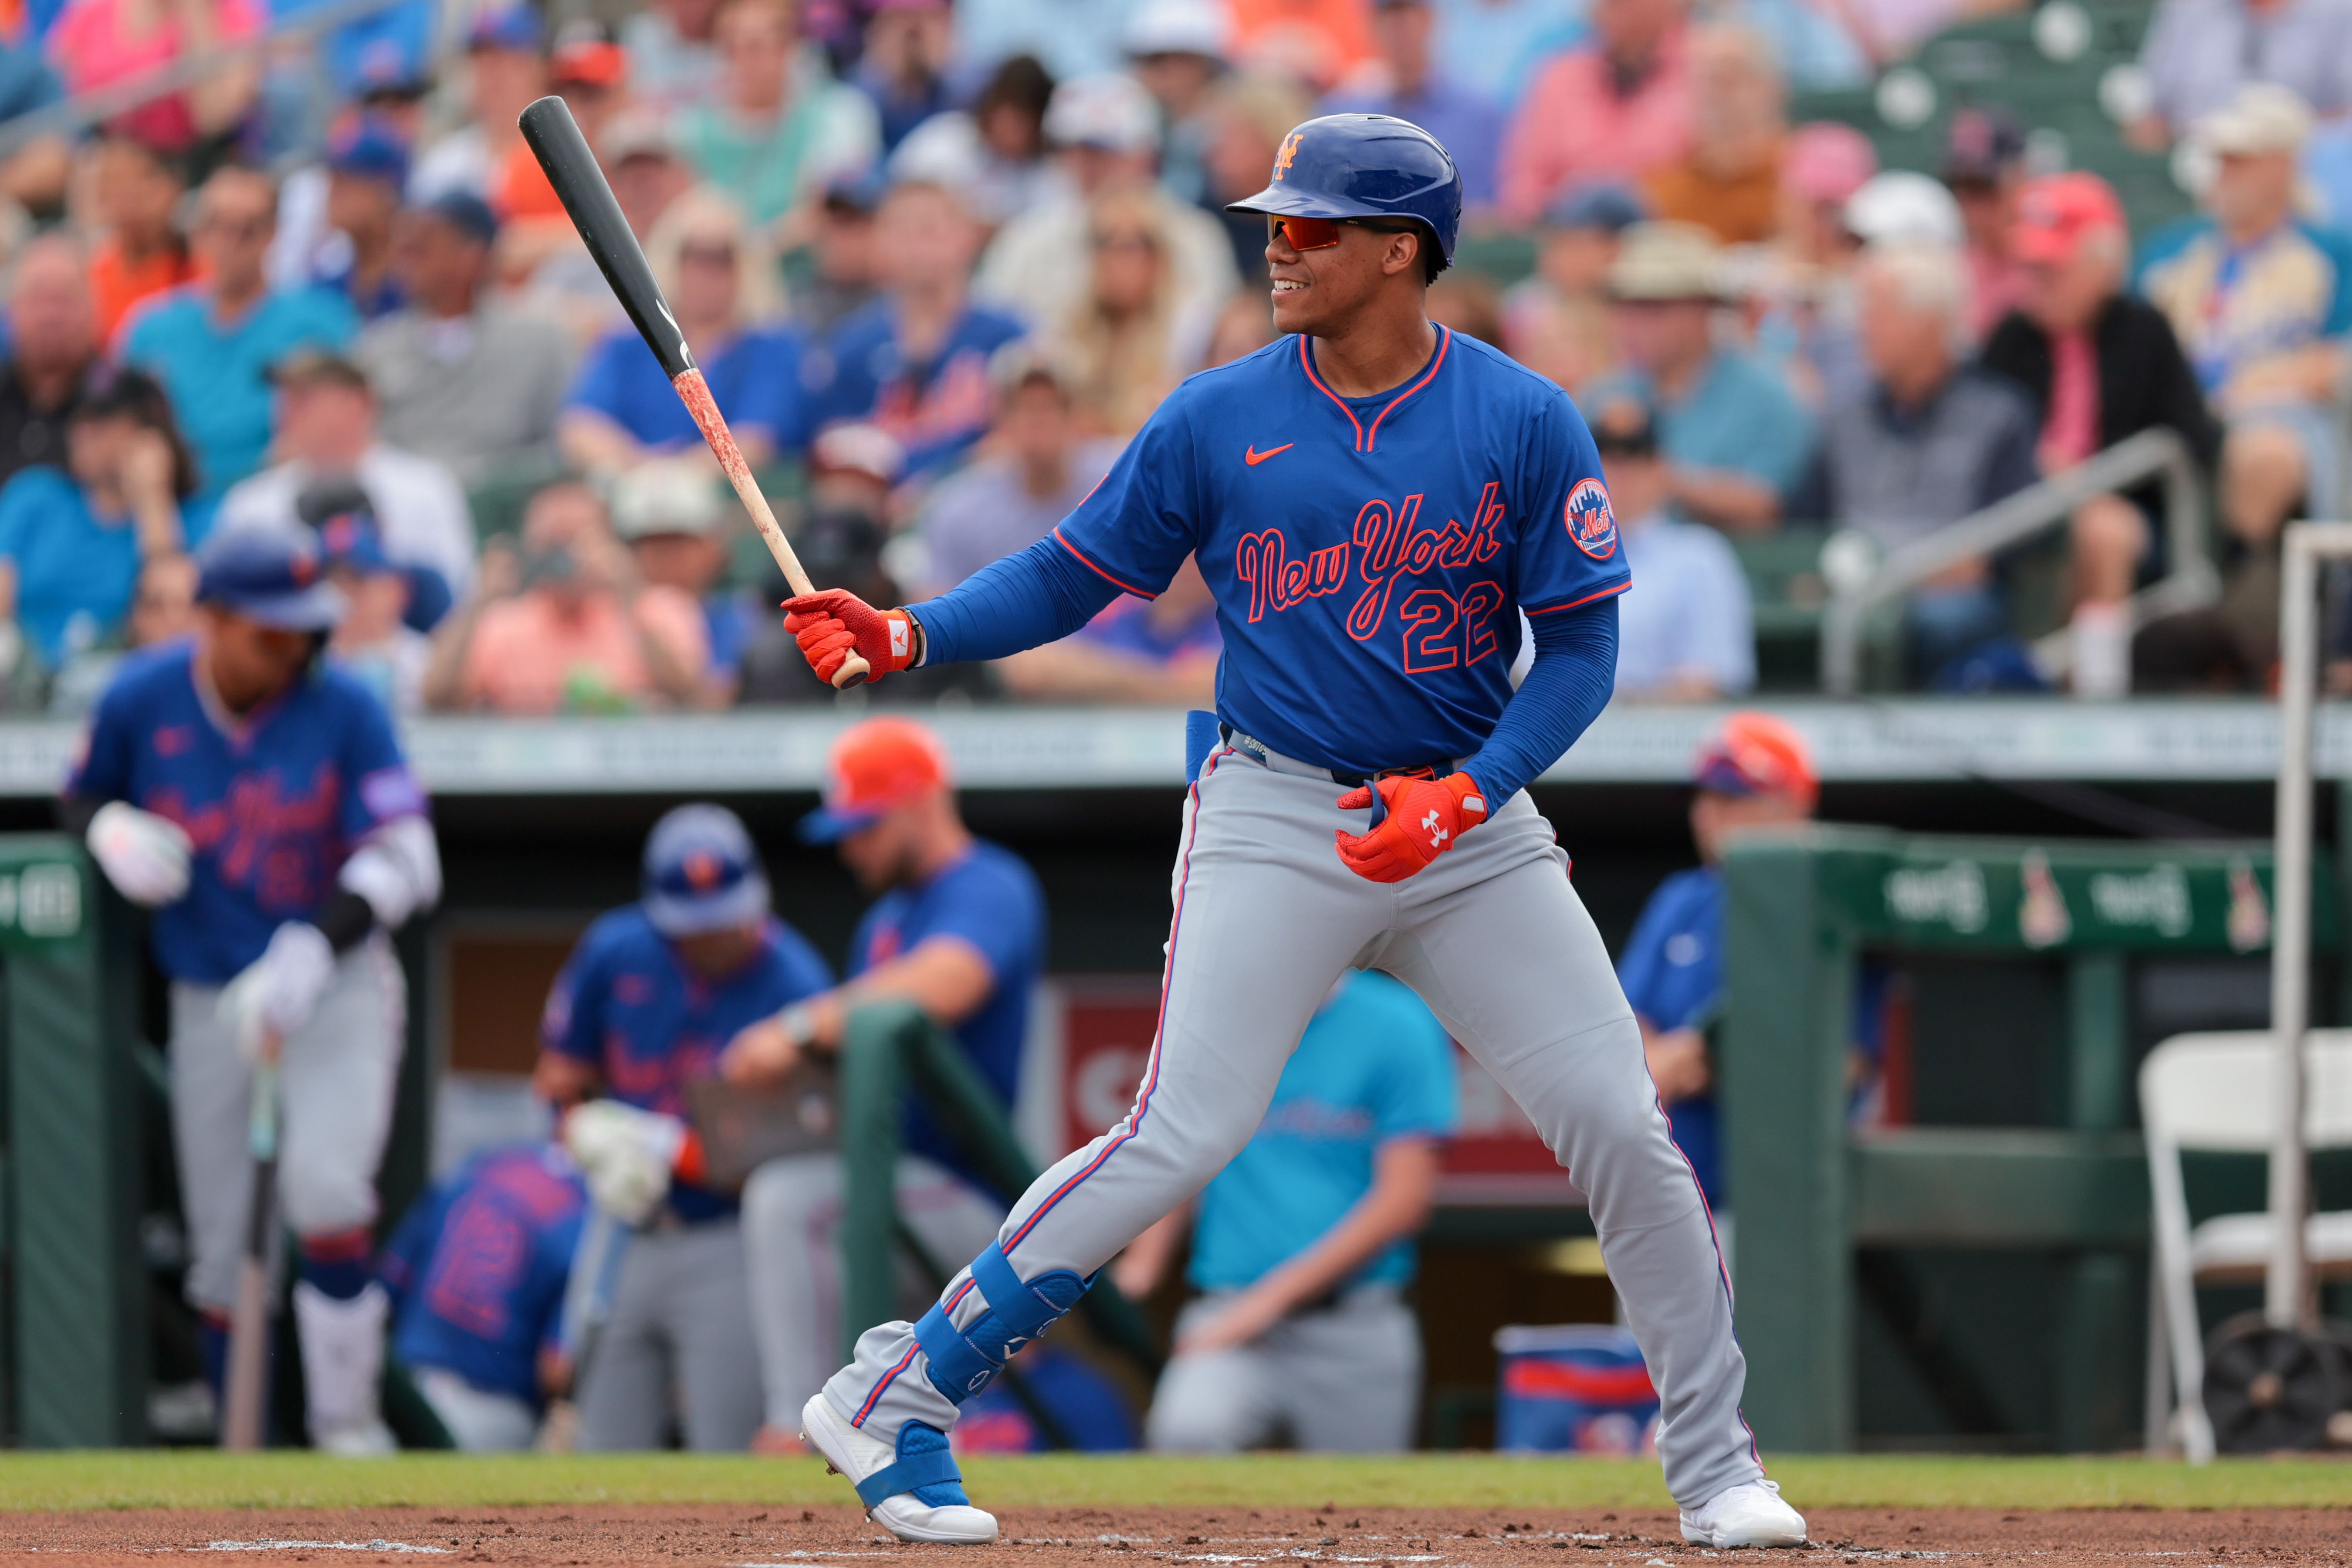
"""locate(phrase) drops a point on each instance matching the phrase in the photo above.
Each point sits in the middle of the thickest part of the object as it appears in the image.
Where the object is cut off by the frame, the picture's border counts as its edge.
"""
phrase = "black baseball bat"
(554, 139)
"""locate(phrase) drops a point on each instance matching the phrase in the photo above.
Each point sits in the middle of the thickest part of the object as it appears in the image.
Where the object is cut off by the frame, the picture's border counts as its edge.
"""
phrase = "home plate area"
(753, 1537)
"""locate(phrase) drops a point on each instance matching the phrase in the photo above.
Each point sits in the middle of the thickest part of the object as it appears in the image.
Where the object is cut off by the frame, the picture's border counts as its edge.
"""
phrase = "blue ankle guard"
(924, 1468)
(962, 1360)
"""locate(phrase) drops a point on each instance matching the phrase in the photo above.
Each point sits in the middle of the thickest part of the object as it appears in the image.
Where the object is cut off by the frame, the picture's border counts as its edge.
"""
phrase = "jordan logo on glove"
(1424, 817)
(831, 623)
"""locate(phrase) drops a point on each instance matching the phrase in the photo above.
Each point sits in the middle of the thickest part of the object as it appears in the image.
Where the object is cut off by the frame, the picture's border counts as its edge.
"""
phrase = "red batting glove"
(1424, 816)
(831, 624)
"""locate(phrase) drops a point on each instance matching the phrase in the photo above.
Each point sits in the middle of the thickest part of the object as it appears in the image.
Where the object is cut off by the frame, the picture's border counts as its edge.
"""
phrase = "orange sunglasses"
(1317, 233)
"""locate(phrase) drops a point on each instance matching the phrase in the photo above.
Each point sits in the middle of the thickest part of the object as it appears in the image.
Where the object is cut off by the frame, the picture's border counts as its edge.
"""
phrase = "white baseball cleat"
(1749, 1514)
(913, 1491)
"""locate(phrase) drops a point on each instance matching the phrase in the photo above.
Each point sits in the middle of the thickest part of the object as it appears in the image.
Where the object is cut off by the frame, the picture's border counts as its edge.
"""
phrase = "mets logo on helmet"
(1589, 520)
(1284, 159)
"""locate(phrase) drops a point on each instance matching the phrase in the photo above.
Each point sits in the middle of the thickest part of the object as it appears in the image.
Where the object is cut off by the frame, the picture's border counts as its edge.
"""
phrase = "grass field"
(169, 1479)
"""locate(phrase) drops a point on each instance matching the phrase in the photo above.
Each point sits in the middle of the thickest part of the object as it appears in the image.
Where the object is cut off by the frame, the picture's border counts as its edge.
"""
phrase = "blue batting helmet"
(1364, 165)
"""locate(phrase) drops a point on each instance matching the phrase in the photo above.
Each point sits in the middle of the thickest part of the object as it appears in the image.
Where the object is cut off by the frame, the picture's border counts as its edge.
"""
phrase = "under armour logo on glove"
(1424, 816)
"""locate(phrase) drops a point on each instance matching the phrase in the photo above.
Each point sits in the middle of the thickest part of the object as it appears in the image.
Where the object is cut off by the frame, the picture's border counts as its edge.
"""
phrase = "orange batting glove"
(1422, 818)
(832, 623)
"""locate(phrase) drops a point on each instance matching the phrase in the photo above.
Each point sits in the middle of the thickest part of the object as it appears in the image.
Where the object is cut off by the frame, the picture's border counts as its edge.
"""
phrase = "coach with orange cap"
(1754, 772)
(958, 928)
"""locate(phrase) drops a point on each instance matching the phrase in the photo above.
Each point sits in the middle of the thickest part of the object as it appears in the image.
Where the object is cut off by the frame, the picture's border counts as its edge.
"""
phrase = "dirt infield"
(751, 1537)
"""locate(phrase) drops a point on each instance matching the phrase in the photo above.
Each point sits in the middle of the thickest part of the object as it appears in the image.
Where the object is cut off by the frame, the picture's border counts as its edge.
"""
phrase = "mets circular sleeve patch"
(1589, 520)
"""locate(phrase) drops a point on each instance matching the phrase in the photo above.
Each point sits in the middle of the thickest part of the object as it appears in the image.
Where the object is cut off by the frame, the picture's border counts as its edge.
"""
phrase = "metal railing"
(2152, 454)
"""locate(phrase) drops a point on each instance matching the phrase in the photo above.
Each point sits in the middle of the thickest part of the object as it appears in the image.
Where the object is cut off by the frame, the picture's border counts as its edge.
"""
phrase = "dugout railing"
(1813, 1196)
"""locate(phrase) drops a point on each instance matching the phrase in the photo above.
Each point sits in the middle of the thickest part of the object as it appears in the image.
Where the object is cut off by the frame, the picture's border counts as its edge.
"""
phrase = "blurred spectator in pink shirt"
(98, 42)
(1617, 107)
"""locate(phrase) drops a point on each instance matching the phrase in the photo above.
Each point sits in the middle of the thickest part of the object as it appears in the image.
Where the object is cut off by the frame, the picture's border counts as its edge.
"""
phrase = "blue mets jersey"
(273, 801)
(1368, 554)
(628, 1006)
(477, 1268)
(990, 900)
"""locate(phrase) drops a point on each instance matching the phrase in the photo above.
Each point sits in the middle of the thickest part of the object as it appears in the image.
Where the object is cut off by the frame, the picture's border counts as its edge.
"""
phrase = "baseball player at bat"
(258, 803)
(646, 1002)
(1373, 500)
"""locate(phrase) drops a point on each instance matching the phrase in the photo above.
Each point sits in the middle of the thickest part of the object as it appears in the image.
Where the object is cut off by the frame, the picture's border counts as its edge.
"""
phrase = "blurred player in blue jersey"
(259, 804)
(1302, 1247)
(1373, 501)
(1755, 772)
(958, 929)
(646, 1003)
(477, 1272)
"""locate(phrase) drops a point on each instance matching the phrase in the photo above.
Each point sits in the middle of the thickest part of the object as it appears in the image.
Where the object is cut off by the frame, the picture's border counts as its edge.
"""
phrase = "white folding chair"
(2212, 1092)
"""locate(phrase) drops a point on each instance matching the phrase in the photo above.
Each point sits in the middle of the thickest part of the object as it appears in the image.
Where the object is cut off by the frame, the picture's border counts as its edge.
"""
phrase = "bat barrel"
(570, 166)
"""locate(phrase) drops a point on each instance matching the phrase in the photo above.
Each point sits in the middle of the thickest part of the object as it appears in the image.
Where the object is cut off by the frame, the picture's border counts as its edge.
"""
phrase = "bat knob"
(853, 670)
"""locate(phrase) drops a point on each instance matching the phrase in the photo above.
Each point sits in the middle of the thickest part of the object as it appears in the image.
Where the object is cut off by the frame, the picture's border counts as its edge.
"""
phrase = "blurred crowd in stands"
(940, 260)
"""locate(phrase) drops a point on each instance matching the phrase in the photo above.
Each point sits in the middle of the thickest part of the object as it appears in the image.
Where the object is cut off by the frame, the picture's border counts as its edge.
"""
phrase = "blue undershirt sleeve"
(1575, 671)
(1041, 595)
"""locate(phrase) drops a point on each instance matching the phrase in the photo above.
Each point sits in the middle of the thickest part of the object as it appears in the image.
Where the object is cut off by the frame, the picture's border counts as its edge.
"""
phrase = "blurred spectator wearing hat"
(915, 361)
(841, 535)
(459, 377)
(719, 277)
(373, 643)
(1928, 441)
(367, 171)
(1734, 437)
(1984, 166)
(1403, 79)
(1556, 322)
(1131, 336)
(506, 70)
(326, 430)
(1802, 301)
(1729, 179)
(97, 42)
(639, 1011)
(671, 516)
(211, 342)
(672, 60)
(1619, 106)
(642, 163)
(957, 928)
(1684, 632)
(2101, 364)
(52, 344)
(904, 69)
(1755, 772)
(1106, 132)
(589, 72)
(1822, 167)
(134, 195)
(2260, 300)
(1162, 650)
(76, 539)
(1037, 464)
(1248, 114)
(2200, 55)
(1177, 50)
(569, 627)
(840, 273)
(779, 126)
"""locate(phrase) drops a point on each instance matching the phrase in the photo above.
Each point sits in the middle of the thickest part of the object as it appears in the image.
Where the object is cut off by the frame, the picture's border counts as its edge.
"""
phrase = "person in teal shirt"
(1302, 1247)
(74, 540)
(211, 343)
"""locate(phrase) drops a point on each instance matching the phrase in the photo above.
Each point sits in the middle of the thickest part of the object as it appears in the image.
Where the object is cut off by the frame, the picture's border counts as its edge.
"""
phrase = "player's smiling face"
(1317, 291)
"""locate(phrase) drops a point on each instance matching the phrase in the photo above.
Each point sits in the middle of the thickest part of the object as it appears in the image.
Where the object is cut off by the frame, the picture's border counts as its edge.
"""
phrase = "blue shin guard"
(961, 1362)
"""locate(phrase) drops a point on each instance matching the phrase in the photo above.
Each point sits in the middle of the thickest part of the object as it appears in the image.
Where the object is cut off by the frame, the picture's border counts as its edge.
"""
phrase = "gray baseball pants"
(1305, 1378)
(681, 1320)
(336, 1078)
(792, 1221)
(1494, 939)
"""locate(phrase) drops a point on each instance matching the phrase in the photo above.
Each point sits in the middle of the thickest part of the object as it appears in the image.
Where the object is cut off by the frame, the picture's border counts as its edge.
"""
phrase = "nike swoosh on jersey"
(1253, 457)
